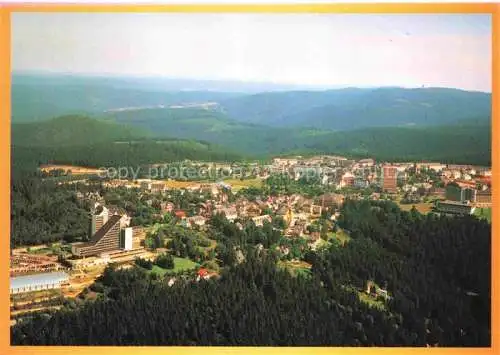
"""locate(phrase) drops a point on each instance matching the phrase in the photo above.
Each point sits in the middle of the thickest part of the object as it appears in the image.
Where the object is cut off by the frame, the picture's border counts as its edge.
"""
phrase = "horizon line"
(293, 86)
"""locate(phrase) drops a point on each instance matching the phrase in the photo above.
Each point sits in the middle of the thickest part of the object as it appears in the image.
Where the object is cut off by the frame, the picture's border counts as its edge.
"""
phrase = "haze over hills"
(159, 83)
(44, 97)
(388, 123)
(353, 108)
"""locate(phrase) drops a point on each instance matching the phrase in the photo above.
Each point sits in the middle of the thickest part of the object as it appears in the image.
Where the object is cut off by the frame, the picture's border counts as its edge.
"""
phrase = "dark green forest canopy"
(84, 141)
(429, 265)
(44, 212)
(354, 108)
(129, 154)
(72, 131)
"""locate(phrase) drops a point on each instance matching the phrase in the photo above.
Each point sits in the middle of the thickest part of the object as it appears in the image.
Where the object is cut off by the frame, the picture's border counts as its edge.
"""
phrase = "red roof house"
(180, 214)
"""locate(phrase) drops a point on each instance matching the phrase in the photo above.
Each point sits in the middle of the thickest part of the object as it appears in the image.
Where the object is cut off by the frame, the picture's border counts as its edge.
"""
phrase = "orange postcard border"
(5, 28)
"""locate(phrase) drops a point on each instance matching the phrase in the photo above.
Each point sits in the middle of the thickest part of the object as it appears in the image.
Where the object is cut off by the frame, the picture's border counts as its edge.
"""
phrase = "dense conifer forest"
(436, 271)
(44, 212)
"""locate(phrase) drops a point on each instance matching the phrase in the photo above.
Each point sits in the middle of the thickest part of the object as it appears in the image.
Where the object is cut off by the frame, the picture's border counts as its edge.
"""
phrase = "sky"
(324, 50)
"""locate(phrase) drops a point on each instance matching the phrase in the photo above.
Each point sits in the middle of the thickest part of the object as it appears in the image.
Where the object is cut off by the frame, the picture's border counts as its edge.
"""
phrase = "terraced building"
(106, 239)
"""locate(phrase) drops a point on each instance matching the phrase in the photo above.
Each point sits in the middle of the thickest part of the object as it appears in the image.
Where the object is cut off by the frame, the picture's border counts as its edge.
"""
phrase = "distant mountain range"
(38, 98)
(354, 108)
(44, 97)
(387, 123)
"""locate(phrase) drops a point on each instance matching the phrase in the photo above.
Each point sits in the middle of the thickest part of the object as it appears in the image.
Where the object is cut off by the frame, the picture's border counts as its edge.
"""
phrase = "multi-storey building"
(107, 238)
(316, 211)
(347, 180)
(483, 198)
(38, 282)
(230, 213)
(99, 218)
(126, 238)
(454, 207)
(468, 194)
(455, 192)
(389, 179)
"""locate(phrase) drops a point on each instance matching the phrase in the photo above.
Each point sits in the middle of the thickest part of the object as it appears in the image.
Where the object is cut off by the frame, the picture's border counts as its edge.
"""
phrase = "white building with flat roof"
(38, 282)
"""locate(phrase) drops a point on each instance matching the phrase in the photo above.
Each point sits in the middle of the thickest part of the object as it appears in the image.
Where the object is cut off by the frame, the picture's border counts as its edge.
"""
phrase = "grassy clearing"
(296, 267)
(237, 184)
(40, 251)
(340, 235)
(158, 270)
(367, 299)
(174, 184)
(183, 264)
(302, 271)
(483, 213)
(180, 264)
(422, 207)
(370, 301)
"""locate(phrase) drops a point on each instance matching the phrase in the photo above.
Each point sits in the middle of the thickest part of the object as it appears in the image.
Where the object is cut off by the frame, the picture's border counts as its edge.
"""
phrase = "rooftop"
(455, 203)
(104, 229)
(38, 279)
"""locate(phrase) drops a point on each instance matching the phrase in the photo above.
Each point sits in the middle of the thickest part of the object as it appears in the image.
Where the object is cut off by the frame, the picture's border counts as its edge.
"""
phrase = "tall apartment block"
(390, 179)
(99, 218)
(107, 238)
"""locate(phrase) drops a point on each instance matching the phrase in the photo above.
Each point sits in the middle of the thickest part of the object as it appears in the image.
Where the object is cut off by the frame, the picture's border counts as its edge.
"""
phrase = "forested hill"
(353, 108)
(212, 134)
(468, 141)
(72, 130)
(42, 97)
(383, 123)
(84, 141)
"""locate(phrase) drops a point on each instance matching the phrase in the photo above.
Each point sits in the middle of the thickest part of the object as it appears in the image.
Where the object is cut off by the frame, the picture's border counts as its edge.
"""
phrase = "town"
(221, 179)
(296, 200)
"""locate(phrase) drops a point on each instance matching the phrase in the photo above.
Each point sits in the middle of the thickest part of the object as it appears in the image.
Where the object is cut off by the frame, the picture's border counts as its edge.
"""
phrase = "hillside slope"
(459, 143)
(467, 141)
(346, 109)
(72, 130)
(85, 141)
(216, 127)
(35, 98)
